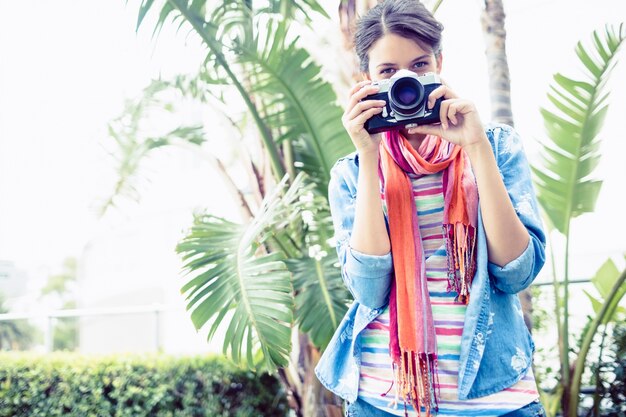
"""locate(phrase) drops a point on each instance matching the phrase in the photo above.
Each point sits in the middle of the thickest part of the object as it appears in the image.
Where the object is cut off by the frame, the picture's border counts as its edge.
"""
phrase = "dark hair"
(406, 18)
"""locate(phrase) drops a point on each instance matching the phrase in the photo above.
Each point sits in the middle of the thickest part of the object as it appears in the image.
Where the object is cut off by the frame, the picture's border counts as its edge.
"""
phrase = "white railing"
(51, 316)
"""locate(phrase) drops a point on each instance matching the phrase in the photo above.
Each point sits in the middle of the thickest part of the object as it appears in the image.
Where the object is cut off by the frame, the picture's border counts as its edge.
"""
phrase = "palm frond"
(131, 144)
(226, 19)
(219, 50)
(322, 298)
(302, 102)
(289, 9)
(307, 108)
(564, 175)
(232, 273)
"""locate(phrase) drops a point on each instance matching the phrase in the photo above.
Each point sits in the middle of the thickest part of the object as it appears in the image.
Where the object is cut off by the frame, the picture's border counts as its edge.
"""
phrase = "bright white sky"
(64, 75)
(67, 66)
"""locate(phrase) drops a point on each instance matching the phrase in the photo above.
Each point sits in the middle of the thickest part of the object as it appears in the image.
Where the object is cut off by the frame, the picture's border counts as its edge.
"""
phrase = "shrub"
(67, 384)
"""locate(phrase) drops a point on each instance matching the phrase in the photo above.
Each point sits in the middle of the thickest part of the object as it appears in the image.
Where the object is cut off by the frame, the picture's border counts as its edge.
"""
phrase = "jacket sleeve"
(519, 273)
(367, 277)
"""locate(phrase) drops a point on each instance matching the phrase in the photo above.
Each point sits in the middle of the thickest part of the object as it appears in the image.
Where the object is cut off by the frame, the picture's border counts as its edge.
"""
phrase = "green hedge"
(66, 384)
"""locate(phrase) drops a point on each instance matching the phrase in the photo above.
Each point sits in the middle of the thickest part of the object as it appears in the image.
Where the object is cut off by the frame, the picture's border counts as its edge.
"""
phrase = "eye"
(419, 64)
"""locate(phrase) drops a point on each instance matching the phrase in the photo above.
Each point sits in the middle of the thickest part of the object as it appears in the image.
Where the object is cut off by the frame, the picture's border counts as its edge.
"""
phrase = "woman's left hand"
(460, 122)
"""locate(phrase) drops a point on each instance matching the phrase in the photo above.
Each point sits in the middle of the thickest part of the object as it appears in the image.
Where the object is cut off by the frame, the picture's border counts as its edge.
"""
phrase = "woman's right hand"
(358, 112)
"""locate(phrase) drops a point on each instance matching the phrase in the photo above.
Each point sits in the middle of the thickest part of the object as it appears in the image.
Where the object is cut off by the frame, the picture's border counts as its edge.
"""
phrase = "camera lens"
(406, 96)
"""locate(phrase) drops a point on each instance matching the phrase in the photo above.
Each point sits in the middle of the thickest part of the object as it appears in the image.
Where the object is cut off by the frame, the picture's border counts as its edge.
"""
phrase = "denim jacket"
(496, 346)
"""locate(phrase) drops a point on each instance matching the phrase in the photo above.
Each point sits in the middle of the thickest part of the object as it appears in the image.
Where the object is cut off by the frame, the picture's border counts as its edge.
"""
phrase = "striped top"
(376, 371)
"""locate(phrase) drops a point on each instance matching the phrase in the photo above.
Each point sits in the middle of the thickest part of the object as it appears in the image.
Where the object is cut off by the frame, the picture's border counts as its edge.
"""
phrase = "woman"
(436, 325)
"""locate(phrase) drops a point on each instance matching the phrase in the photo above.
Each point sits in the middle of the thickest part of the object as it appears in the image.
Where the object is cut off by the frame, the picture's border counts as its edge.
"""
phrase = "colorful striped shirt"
(376, 371)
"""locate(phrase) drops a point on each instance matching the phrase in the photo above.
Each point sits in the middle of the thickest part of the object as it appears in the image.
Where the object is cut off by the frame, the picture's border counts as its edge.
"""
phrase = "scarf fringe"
(394, 402)
(460, 245)
(418, 382)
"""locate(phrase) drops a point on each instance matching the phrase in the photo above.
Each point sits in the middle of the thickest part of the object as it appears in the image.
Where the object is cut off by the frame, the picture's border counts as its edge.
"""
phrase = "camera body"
(406, 96)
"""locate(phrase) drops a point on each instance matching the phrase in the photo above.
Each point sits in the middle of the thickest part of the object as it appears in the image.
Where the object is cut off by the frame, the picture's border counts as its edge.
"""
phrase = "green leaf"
(165, 12)
(143, 9)
(584, 200)
(564, 175)
(604, 281)
(596, 304)
(286, 76)
(321, 299)
(605, 277)
(288, 9)
(229, 272)
(592, 66)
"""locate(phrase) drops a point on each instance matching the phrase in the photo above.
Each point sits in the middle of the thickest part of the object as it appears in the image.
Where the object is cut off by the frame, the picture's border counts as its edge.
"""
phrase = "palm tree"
(273, 273)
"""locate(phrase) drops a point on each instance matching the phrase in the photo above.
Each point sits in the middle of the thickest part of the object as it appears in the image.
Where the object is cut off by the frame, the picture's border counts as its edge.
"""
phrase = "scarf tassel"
(418, 381)
(460, 244)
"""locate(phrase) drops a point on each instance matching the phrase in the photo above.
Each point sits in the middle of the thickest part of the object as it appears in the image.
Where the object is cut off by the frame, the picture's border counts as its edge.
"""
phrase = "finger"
(361, 106)
(365, 91)
(450, 88)
(444, 82)
(459, 108)
(356, 87)
(434, 95)
(443, 91)
(360, 94)
(427, 130)
(453, 108)
(443, 114)
(363, 117)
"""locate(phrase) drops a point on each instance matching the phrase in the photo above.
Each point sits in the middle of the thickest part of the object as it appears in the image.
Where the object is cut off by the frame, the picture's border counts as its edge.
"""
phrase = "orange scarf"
(413, 346)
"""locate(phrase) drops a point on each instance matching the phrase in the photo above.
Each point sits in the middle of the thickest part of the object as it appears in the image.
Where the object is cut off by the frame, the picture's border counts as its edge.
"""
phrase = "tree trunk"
(317, 400)
(494, 33)
(349, 11)
(307, 397)
(492, 20)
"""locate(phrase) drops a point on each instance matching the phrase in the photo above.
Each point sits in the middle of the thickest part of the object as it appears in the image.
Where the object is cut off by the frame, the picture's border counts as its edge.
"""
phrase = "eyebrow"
(416, 59)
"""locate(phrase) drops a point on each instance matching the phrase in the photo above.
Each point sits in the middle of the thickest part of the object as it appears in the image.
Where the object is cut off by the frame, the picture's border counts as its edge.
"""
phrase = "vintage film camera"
(406, 94)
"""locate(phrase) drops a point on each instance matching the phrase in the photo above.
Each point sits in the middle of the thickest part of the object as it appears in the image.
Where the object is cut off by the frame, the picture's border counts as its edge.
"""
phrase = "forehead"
(395, 49)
